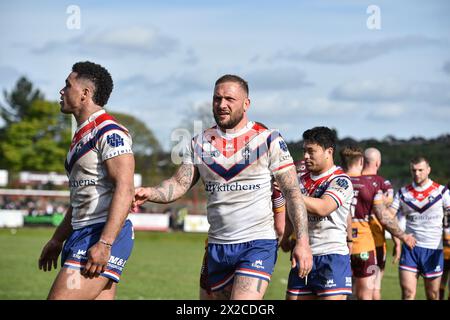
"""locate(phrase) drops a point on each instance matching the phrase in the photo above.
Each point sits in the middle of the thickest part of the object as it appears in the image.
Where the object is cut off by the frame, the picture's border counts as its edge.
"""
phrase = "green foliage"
(39, 141)
(19, 101)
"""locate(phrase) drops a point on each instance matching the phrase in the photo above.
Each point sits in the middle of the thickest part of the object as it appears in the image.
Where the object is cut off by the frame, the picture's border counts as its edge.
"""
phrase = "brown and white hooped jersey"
(236, 170)
(96, 140)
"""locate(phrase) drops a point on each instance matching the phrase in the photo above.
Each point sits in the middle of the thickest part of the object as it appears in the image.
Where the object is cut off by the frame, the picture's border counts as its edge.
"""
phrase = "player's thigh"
(378, 278)
(432, 287)
(408, 280)
(335, 297)
(70, 284)
(109, 292)
(222, 294)
(302, 297)
(204, 294)
(248, 288)
(364, 287)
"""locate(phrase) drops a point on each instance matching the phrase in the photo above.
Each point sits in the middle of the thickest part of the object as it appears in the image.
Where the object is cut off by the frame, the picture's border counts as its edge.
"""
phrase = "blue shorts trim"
(428, 262)
(330, 275)
(252, 259)
(74, 253)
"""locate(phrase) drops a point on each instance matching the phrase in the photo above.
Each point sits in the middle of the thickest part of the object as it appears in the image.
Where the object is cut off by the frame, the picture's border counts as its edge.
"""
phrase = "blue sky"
(308, 63)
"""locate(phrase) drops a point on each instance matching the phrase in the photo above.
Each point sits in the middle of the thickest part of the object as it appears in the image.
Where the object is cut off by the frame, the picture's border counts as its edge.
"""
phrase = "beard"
(232, 121)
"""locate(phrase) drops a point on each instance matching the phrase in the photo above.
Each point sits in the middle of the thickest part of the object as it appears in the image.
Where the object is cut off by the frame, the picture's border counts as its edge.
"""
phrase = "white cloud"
(387, 112)
(117, 42)
(391, 90)
(356, 52)
(276, 78)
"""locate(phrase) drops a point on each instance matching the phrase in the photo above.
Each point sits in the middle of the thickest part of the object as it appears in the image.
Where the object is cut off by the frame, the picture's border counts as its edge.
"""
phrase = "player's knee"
(408, 293)
(56, 295)
(433, 294)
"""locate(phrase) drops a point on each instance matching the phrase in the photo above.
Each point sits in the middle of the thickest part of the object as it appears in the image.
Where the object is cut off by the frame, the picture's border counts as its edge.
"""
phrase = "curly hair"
(99, 76)
(323, 136)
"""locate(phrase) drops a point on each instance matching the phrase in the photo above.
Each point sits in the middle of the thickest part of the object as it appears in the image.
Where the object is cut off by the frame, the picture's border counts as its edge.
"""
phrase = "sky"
(369, 69)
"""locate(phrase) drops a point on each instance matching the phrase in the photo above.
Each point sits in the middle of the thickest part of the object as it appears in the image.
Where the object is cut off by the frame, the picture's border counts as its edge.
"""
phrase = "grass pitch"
(162, 266)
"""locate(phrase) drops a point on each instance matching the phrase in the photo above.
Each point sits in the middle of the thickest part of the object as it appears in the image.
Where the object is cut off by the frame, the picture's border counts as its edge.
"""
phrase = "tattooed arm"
(386, 216)
(169, 190)
(301, 254)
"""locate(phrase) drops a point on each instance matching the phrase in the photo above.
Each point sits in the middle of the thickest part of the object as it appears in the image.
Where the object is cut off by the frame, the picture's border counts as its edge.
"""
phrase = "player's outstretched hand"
(49, 255)
(141, 195)
(409, 240)
(98, 257)
(302, 257)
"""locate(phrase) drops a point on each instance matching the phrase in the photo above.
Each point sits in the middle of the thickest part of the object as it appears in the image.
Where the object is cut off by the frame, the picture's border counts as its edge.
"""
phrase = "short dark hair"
(419, 159)
(323, 136)
(99, 76)
(350, 155)
(233, 78)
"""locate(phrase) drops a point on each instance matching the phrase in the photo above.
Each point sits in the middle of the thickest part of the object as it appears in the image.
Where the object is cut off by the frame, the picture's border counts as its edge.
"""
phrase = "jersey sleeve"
(446, 199)
(340, 189)
(388, 189)
(114, 143)
(279, 156)
(396, 203)
(278, 201)
(378, 198)
(188, 153)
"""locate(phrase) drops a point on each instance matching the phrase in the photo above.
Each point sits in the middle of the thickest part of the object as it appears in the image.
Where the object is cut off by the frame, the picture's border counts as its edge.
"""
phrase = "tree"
(146, 148)
(144, 141)
(198, 119)
(39, 142)
(19, 101)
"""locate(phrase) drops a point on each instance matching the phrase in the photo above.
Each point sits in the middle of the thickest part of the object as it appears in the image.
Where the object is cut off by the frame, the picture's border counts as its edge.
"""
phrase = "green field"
(162, 266)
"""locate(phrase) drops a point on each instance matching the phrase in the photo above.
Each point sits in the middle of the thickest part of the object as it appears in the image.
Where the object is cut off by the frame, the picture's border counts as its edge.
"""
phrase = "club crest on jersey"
(246, 153)
(78, 147)
(214, 154)
(283, 146)
(320, 190)
(229, 147)
(114, 140)
(431, 198)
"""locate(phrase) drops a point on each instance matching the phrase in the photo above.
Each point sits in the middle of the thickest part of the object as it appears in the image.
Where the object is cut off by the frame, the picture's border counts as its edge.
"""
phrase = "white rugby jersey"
(423, 208)
(328, 235)
(97, 139)
(236, 170)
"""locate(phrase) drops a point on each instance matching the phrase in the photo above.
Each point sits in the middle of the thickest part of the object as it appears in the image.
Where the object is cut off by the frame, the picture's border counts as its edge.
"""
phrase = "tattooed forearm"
(175, 187)
(389, 222)
(295, 204)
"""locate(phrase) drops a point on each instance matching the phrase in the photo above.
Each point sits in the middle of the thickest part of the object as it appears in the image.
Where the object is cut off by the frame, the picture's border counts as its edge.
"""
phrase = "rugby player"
(328, 194)
(372, 163)
(236, 160)
(100, 166)
(424, 204)
(368, 199)
(446, 244)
